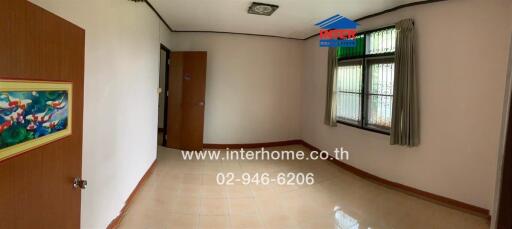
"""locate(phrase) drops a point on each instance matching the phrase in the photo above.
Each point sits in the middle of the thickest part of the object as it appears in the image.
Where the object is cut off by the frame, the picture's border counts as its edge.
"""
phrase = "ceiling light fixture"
(259, 8)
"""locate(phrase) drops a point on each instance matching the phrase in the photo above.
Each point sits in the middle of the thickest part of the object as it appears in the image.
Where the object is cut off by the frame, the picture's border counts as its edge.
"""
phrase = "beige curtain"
(404, 122)
(330, 105)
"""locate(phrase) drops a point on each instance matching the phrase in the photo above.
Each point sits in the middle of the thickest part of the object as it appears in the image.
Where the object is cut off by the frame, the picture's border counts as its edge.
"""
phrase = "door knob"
(79, 183)
(201, 104)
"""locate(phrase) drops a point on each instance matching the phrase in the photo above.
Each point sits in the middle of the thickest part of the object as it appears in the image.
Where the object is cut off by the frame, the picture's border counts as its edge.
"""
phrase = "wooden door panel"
(505, 201)
(174, 101)
(186, 103)
(36, 187)
(504, 221)
(194, 70)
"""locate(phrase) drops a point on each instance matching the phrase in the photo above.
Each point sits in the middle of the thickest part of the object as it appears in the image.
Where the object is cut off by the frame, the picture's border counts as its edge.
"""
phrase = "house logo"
(337, 31)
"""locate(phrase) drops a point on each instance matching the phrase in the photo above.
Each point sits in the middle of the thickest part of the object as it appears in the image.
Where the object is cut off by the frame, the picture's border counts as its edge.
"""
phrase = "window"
(349, 88)
(364, 81)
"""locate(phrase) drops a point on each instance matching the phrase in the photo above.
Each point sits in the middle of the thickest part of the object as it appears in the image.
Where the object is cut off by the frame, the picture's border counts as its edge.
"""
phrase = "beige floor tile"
(184, 194)
(245, 222)
(191, 179)
(243, 206)
(178, 221)
(186, 205)
(214, 191)
(210, 179)
(213, 222)
(190, 190)
(214, 206)
(146, 218)
(239, 191)
(278, 221)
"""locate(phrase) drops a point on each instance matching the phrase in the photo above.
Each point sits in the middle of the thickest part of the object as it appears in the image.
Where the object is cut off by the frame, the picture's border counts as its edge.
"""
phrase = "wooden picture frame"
(32, 114)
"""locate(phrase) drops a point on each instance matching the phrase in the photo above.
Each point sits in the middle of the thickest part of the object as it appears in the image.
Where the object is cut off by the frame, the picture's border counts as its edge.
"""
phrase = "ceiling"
(293, 18)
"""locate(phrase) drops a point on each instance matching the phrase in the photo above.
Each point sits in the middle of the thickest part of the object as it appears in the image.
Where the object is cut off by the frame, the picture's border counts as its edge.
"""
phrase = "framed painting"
(32, 114)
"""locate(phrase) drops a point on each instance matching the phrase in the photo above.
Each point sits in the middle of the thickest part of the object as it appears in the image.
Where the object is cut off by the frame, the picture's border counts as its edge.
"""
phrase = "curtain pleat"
(405, 120)
(330, 105)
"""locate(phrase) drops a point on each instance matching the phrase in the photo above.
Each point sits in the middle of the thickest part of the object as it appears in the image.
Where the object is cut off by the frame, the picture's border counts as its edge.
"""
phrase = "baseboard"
(448, 202)
(252, 145)
(445, 201)
(117, 221)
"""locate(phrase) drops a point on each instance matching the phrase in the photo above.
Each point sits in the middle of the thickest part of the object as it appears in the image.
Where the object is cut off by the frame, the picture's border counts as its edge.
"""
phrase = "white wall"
(120, 109)
(252, 86)
(461, 60)
(166, 36)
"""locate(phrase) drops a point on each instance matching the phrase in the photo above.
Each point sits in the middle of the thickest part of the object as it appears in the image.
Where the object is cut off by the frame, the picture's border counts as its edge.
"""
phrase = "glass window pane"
(381, 78)
(347, 52)
(380, 94)
(349, 81)
(350, 78)
(382, 41)
(348, 106)
(379, 110)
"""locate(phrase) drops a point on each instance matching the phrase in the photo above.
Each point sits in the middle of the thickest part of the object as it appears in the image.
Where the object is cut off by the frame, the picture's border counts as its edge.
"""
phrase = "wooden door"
(187, 82)
(505, 199)
(503, 216)
(36, 187)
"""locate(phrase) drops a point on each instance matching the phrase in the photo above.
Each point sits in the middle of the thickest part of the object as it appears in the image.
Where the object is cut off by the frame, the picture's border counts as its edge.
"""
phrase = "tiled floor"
(184, 194)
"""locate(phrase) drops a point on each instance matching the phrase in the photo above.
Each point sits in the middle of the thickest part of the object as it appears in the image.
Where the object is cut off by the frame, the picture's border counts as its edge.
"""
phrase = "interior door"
(505, 199)
(187, 81)
(503, 219)
(36, 187)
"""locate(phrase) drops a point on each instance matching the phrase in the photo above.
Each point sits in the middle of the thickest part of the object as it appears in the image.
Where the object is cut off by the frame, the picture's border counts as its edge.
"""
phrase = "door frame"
(166, 90)
(502, 193)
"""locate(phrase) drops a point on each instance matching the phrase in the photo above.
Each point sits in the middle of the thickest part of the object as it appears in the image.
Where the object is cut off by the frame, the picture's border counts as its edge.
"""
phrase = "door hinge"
(168, 61)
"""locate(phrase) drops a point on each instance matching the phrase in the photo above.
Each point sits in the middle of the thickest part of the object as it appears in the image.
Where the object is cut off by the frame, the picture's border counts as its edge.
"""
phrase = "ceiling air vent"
(262, 8)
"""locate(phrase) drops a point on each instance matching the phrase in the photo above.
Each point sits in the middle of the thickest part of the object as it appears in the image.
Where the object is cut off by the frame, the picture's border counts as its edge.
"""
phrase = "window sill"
(363, 128)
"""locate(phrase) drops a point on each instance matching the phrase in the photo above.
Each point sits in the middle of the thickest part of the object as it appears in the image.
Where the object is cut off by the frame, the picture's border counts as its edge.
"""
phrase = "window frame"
(366, 60)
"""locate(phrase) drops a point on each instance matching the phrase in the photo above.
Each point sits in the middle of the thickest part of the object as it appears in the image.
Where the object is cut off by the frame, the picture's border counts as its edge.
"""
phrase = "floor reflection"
(343, 220)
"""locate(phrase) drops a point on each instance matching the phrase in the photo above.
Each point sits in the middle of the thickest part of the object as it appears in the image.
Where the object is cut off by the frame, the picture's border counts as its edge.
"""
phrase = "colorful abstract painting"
(32, 114)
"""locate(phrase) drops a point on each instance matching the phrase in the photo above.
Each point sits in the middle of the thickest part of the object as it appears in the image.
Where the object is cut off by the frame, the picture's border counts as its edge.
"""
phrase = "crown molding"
(291, 38)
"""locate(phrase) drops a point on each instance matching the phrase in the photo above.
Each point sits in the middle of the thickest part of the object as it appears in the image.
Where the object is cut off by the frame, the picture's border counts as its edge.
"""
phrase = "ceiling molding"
(159, 16)
(388, 11)
(291, 38)
(249, 34)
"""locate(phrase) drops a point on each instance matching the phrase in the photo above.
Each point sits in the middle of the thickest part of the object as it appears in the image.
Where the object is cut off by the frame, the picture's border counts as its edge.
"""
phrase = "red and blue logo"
(337, 31)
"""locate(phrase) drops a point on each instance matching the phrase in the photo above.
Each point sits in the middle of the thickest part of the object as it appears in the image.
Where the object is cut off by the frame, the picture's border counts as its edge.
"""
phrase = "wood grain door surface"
(36, 188)
(187, 83)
